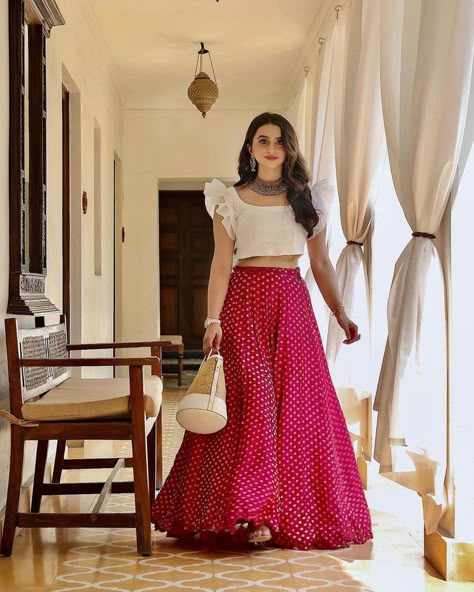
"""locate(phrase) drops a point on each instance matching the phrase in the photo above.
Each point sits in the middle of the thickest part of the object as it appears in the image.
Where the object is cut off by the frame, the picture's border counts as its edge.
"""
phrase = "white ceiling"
(258, 48)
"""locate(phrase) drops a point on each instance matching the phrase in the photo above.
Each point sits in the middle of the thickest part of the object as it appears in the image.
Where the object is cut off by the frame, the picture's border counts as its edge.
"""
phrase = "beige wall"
(160, 146)
(73, 48)
(71, 56)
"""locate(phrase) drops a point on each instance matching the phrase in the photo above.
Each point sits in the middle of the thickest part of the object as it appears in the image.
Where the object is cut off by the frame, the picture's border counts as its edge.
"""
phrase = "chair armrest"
(68, 362)
(78, 346)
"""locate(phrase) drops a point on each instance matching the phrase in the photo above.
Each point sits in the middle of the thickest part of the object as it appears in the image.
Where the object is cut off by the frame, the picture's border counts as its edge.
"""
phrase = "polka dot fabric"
(285, 457)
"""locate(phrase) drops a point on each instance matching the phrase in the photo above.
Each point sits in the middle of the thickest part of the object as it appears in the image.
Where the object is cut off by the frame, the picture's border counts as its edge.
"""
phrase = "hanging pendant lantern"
(203, 91)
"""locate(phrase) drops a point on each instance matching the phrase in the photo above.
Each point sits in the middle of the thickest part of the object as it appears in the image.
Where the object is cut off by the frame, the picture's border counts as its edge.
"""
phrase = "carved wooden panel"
(27, 295)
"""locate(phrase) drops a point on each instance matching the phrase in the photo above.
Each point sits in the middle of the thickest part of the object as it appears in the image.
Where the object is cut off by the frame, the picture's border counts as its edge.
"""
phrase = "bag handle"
(208, 355)
(215, 379)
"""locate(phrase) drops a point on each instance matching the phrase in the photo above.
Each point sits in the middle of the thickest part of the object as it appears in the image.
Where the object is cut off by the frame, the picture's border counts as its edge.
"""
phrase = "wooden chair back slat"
(43, 342)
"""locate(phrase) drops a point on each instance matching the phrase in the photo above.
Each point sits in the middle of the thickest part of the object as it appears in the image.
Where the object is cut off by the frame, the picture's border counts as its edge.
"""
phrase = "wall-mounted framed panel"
(30, 23)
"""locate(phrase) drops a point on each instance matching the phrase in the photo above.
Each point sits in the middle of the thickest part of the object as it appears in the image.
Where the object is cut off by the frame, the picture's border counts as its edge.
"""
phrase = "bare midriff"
(289, 261)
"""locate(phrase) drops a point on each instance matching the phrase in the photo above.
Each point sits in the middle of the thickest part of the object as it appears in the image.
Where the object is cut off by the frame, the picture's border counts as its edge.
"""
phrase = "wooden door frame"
(114, 250)
(66, 205)
(183, 318)
(75, 210)
(118, 240)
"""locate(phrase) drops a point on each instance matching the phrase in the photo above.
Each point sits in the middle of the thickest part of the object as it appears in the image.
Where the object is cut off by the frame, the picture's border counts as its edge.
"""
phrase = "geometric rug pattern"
(63, 560)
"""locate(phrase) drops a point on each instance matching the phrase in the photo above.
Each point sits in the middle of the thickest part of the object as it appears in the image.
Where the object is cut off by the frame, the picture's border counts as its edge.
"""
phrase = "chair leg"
(140, 471)
(151, 464)
(41, 455)
(142, 497)
(14, 489)
(180, 364)
(159, 449)
(59, 461)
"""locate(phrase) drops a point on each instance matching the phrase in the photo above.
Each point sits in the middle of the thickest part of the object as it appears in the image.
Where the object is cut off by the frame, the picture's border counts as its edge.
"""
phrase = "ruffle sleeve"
(216, 194)
(322, 196)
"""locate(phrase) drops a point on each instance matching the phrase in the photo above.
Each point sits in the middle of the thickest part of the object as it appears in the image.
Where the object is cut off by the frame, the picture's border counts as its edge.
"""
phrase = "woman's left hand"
(350, 329)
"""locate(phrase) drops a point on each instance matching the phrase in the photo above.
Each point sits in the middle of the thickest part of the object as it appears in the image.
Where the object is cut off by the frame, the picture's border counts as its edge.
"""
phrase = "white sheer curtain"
(359, 143)
(320, 137)
(359, 159)
(301, 120)
(426, 63)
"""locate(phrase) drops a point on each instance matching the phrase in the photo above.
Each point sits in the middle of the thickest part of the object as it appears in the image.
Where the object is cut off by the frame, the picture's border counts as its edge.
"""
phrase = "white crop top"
(265, 230)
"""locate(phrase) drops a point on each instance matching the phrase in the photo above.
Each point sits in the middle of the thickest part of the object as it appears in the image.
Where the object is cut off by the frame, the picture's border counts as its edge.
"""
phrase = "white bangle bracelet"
(209, 321)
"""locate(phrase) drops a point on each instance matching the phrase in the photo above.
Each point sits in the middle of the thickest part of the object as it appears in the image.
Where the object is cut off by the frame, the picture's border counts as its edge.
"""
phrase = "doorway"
(185, 251)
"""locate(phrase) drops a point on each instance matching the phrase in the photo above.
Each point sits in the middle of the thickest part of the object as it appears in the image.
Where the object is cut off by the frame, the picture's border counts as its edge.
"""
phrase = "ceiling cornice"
(250, 109)
(294, 73)
(97, 37)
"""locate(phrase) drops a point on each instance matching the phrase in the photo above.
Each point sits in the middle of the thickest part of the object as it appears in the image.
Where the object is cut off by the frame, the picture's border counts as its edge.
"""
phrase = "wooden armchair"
(47, 404)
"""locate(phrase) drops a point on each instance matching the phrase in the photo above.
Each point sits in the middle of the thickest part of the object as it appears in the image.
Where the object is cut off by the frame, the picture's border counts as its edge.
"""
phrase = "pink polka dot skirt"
(285, 457)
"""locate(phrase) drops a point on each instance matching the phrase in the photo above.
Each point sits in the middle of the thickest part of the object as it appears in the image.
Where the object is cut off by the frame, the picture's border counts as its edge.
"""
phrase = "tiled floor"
(100, 559)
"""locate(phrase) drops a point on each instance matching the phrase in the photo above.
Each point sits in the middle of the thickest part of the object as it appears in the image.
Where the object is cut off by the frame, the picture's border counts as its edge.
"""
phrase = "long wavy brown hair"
(295, 171)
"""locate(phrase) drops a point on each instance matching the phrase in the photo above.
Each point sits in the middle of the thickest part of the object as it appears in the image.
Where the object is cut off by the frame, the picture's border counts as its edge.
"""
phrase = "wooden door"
(186, 249)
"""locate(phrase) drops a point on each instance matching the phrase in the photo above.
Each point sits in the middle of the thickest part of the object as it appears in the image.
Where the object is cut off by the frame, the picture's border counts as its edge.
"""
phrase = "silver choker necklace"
(268, 187)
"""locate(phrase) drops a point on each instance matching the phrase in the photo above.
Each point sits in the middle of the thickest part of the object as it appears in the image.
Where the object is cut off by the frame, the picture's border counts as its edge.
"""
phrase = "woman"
(284, 463)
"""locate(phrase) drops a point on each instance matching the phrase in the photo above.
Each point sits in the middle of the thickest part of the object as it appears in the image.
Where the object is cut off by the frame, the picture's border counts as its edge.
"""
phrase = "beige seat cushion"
(92, 398)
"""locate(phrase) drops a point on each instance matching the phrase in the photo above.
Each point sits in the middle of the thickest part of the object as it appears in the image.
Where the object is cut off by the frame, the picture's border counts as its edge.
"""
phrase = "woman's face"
(267, 146)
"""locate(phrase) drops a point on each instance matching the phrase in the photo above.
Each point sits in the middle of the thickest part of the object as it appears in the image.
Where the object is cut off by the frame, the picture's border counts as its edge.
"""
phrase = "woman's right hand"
(212, 338)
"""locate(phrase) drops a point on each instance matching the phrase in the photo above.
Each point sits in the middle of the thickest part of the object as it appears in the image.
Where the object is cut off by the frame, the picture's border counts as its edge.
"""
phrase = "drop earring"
(253, 163)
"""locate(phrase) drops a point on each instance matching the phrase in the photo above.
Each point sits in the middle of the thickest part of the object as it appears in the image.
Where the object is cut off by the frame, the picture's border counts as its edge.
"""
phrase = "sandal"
(258, 534)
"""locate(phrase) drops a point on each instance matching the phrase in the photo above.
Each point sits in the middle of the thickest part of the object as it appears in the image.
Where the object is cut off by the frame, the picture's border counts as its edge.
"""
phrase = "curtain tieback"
(355, 243)
(424, 234)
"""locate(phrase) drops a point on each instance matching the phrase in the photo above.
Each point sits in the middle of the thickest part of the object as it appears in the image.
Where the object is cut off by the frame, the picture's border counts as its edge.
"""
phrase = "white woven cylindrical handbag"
(203, 409)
